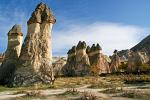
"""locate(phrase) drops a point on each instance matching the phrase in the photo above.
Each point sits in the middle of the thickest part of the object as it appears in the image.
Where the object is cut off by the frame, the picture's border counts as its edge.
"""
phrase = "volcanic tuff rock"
(82, 60)
(115, 62)
(35, 61)
(12, 54)
(69, 68)
(97, 60)
(58, 64)
(77, 61)
(136, 61)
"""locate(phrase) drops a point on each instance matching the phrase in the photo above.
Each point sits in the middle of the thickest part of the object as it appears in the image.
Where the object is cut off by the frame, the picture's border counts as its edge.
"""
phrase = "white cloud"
(109, 35)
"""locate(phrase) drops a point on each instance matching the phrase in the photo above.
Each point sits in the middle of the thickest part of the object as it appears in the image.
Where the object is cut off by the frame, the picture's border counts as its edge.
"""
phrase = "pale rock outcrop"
(115, 62)
(82, 60)
(12, 54)
(136, 60)
(35, 61)
(69, 68)
(58, 64)
(98, 61)
(77, 62)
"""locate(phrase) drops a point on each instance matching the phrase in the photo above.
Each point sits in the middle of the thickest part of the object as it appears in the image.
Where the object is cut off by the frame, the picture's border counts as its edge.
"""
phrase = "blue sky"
(115, 24)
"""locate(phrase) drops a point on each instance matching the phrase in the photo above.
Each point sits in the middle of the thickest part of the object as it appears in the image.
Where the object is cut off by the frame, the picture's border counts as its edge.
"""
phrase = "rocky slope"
(143, 46)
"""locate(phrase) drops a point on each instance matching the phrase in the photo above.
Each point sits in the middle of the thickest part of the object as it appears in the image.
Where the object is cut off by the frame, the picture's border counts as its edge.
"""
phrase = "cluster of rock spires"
(85, 60)
(33, 62)
(78, 62)
(98, 60)
(82, 60)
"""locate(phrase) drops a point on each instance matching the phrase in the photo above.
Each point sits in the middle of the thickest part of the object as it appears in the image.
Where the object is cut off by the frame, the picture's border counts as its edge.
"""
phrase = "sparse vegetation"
(136, 95)
(111, 84)
(134, 79)
(112, 90)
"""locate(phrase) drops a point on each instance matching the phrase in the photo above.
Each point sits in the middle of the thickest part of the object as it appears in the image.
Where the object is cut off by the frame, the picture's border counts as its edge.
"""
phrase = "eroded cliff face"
(12, 54)
(35, 61)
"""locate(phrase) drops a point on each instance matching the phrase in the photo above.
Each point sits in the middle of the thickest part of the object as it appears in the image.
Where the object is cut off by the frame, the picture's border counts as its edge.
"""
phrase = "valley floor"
(112, 87)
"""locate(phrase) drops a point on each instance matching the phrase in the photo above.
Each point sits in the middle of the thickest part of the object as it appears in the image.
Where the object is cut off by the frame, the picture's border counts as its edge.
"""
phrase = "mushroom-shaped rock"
(12, 54)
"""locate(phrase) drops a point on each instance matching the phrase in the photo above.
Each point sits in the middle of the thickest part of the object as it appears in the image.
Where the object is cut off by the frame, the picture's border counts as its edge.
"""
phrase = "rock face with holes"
(12, 54)
(77, 62)
(98, 62)
(35, 61)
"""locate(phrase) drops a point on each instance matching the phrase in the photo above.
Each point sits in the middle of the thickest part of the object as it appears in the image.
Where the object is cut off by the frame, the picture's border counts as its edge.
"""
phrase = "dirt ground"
(113, 87)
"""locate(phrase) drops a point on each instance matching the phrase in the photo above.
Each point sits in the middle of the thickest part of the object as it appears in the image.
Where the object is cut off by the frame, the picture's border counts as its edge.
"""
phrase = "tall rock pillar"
(115, 62)
(98, 60)
(35, 62)
(82, 60)
(12, 54)
(69, 68)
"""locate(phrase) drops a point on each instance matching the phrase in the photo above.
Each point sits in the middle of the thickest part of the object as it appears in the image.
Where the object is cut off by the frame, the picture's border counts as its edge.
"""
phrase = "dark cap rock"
(81, 45)
(88, 49)
(42, 14)
(16, 30)
(98, 47)
(72, 50)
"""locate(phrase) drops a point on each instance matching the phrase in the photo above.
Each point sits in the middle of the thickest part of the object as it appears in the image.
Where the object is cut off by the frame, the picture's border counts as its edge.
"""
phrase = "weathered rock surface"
(136, 61)
(58, 64)
(35, 61)
(98, 61)
(69, 68)
(78, 62)
(115, 62)
(143, 46)
(1, 58)
(83, 60)
(12, 54)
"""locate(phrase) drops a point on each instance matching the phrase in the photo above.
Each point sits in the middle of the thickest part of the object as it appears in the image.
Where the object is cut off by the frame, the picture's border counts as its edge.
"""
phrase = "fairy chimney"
(35, 61)
(15, 37)
(69, 68)
(115, 62)
(98, 61)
